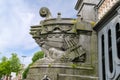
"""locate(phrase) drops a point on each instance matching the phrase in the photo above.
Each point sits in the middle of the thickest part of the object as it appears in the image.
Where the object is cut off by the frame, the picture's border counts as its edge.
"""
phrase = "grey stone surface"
(87, 10)
(107, 23)
(68, 46)
(62, 72)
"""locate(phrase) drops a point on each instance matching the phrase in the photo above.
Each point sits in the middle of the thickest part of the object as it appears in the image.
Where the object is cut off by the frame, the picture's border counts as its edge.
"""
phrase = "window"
(110, 51)
(103, 57)
(118, 39)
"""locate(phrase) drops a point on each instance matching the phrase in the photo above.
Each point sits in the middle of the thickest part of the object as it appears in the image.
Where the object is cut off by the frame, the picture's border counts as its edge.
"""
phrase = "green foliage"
(37, 55)
(15, 63)
(9, 65)
(4, 59)
(24, 75)
(5, 68)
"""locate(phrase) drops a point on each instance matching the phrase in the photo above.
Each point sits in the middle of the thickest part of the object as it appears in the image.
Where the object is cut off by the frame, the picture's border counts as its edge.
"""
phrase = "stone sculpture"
(68, 45)
(59, 38)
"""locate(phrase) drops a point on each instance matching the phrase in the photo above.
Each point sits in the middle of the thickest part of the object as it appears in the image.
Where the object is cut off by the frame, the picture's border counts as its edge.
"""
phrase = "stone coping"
(63, 65)
(81, 76)
(58, 21)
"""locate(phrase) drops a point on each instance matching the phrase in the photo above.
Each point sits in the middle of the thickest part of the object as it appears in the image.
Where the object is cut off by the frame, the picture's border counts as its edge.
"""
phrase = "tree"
(15, 63)
(24, 75)
(38, 55)
(5, 67)
(4, 59)
(10, 65)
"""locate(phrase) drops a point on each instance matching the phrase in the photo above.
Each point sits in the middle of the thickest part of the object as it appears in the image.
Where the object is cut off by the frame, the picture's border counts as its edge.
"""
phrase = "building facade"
(86, 9)
(106, 15)
(108, 29)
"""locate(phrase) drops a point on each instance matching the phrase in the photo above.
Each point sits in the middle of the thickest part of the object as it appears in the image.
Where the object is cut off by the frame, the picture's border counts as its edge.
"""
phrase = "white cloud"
(16, 17)
(15, 27)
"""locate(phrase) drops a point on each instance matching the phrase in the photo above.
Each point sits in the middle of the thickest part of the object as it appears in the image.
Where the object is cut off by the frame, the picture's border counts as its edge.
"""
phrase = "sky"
(16, 17)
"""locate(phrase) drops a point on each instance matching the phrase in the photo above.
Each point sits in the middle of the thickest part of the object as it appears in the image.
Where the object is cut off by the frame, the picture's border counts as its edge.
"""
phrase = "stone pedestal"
(69, 46)
(61, 71)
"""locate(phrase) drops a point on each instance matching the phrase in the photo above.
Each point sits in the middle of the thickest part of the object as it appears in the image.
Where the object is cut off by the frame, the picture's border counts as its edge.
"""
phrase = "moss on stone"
(74, 65)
